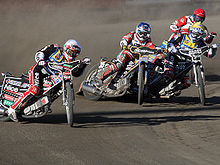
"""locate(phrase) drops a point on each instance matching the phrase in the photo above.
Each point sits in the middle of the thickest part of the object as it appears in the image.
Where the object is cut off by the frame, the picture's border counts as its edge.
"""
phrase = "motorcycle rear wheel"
(201, 86)
(70, 104)
(4, 117)
(89, 76)
(141, 84)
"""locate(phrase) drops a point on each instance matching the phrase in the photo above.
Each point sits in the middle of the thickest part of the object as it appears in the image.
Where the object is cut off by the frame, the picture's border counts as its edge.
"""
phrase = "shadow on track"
(212, 77)
(173, 101)
(99, 121)
(111, 119)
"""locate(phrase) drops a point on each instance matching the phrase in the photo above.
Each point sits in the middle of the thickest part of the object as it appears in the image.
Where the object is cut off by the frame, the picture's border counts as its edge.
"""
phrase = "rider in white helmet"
(50, 53)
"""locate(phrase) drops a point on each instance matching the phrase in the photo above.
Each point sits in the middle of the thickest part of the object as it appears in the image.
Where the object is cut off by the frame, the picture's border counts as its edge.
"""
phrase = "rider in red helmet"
(182, 25)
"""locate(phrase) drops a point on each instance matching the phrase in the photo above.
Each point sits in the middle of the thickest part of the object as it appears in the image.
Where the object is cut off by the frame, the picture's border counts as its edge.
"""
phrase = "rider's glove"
(213, 34)
(123, 44)
(214, 46)
(42, 63)
(171, 48)
(212, 50)
(86, 60)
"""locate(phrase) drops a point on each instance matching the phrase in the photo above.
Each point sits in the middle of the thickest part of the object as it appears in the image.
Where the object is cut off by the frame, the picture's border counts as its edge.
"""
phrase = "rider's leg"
(122, 60)
(163, 79)
(33, 90)
(186, 81)
(107, 71)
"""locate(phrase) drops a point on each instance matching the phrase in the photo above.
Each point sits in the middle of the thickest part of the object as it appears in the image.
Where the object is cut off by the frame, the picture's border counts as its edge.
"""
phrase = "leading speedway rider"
(195, 39)
(140, 37)
(183, 24)
(50, 53)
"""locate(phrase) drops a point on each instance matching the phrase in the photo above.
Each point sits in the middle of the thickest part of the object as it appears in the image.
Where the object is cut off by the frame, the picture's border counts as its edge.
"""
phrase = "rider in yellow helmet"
(194, 39)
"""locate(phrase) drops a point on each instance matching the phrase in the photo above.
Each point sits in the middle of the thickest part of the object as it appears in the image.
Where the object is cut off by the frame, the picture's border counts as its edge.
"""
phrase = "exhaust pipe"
(90, 89)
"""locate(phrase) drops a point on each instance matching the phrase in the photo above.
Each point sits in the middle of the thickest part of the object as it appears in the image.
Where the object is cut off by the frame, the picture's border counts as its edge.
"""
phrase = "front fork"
(65, 103)
(64, 92)
(145, 78)
(196, 76)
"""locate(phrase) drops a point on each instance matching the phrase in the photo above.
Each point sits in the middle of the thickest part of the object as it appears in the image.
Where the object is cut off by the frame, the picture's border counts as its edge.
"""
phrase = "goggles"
(198, 18)
(144, 34)
(73, 53)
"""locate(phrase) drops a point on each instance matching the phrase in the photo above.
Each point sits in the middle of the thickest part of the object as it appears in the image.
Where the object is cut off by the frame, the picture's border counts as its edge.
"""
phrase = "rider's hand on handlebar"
(172, 49)
(214, 46)
(213, 34)
(86, 60)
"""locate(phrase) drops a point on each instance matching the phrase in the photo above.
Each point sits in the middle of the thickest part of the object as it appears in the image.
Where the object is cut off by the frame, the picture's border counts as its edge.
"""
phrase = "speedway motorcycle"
(132, 80)
(188, 60)
(53, 86)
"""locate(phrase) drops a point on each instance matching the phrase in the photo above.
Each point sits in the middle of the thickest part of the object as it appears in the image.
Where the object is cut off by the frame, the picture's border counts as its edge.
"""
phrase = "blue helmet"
(143, 31)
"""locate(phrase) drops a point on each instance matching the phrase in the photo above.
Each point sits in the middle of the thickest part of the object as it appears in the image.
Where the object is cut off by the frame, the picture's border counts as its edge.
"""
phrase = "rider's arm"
(209, 37)
(212, 51)
(39, 56)
(176, 39)
(126, 40)
(176, 25)
(42, 55)
(80, 69)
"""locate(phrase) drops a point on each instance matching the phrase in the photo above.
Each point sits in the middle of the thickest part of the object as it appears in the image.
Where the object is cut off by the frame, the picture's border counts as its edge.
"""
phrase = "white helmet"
(71, 49)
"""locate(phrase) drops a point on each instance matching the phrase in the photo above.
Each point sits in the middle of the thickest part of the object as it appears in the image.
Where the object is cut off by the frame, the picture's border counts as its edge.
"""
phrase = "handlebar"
(194, 51)
(63, 66)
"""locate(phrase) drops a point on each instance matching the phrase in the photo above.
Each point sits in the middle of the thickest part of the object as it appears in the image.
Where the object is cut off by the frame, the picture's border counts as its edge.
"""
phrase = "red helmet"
(199, 15)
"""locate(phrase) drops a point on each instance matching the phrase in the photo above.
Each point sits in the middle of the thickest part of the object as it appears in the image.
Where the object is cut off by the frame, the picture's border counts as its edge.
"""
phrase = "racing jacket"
(182, 26)
(54, 53)
(132, 39)
(184, 42)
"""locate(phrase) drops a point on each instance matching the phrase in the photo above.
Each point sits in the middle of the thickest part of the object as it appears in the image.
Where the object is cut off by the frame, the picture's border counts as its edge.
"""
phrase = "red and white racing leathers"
(182, 26)
(126, 56)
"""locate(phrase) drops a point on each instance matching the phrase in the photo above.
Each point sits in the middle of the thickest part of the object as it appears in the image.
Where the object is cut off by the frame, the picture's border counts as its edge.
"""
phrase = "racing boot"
(104, 74)
(161, 81)
(12, 114)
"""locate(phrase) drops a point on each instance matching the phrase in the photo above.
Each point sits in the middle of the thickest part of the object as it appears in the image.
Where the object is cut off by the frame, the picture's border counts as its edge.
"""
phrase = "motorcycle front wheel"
(141, 84)
(70, 98)
(201, 86)
(89, 77)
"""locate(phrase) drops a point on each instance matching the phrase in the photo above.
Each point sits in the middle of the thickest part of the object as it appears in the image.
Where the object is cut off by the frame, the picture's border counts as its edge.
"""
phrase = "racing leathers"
(125, 56)
(182, 26)
(50, 53)
(183, 42)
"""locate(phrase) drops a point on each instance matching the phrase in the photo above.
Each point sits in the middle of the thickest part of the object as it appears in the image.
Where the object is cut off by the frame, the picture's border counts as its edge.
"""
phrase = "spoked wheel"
(89, 77)
(201, 86)
(4, 117)
(141, 84)
(70, 98)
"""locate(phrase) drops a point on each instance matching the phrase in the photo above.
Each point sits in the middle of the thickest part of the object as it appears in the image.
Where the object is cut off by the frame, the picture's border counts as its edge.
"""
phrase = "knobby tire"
(90, 76)
(70, 98)
(141, 84)
(201, 86)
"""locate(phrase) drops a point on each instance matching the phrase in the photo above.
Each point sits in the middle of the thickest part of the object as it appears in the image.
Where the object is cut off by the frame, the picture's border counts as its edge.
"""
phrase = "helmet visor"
(144, 34)
(198, 18)
(74, 52)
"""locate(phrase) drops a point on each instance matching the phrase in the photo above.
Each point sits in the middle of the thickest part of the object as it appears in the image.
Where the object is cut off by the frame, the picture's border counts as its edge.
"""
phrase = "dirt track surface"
(111, 131)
